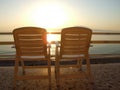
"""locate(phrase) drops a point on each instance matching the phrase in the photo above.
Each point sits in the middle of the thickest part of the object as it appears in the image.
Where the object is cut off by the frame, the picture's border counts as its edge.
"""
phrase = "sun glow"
(49, 15)
(50, 38)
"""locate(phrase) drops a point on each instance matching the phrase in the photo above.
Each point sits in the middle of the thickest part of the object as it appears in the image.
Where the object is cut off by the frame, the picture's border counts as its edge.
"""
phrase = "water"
(96, 49)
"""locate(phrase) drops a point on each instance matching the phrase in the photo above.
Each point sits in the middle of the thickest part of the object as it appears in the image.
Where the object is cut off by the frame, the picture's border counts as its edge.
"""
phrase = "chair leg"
(23, 70)
(58, 77)
(15, 73)
(49, 73)
(89, 74)
(57, 72)
(79, 63)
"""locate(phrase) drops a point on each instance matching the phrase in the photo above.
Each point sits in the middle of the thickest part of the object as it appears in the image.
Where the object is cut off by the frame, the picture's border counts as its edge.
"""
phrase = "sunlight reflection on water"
(96, 49)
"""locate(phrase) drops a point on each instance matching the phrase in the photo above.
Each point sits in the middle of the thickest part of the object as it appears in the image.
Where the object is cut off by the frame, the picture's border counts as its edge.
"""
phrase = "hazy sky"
(57, 14)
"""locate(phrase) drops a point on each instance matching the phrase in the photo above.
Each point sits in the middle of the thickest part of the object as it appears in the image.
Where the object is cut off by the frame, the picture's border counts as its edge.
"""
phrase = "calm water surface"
(96, 49)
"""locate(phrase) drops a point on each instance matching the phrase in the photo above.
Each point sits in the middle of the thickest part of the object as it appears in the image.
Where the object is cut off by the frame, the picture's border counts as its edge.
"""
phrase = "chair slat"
(31, 45)
(75, 42)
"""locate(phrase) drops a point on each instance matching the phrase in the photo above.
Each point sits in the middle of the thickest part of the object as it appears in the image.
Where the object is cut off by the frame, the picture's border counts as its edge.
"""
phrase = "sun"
(50, 38)
(49, 15)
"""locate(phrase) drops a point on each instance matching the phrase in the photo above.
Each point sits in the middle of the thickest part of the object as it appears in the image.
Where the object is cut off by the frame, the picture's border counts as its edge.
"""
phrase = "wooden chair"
(31, 45)
(74, 46)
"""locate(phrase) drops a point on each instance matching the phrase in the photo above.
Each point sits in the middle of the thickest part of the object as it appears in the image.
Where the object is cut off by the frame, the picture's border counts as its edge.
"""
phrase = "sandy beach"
(106, 77)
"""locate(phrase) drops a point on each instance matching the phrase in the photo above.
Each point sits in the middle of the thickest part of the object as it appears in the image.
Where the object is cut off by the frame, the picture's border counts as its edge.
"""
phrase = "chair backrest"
(75, 41)
(30, 41)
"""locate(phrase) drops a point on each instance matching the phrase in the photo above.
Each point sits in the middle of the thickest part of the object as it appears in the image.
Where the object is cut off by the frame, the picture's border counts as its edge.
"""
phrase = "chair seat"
(74, 46)
(73, 56)
(31, 46)
(32, 57)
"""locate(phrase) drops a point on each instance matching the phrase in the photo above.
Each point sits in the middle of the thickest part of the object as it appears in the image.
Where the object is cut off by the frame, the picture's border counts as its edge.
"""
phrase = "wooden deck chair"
(31, 45)
(75, 42)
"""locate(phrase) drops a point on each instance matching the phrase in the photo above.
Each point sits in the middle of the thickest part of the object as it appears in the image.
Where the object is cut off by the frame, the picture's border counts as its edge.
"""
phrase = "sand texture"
(106, 77)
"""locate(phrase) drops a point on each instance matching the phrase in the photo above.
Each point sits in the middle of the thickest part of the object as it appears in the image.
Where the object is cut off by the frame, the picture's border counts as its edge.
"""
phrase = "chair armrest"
(91, 45)
(13, 46)
(57, 43)
(48, 45)
(48, 48)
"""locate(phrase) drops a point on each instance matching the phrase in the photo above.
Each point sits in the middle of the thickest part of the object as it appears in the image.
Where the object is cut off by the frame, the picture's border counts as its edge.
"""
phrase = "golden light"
(50, 38)
(50, 15)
